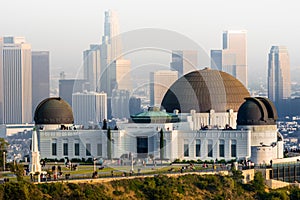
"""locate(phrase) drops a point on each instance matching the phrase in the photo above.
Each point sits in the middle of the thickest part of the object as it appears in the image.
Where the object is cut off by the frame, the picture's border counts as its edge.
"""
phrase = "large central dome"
(205, 90)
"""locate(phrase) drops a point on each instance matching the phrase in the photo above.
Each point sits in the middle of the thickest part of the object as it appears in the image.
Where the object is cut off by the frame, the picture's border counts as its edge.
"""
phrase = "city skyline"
(265, 29)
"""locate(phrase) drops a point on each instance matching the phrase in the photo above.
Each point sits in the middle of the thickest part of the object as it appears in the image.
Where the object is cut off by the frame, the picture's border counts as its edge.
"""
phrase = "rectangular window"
(65, 149)
(233, 148)
(198, 147)
(209, 149)
(76, 149)
(221, 148)
(99, 149)
(186, 148)
(88, 149)
(54, 149)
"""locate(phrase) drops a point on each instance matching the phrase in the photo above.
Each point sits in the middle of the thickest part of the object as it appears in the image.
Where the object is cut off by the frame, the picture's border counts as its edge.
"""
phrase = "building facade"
(89, 108)
(205, 133)
(92, 69)
(216, 59)
(69, 86)
(233, 58)
(279, 78)
(160, 82)
(120, 104)
(257, 142)
(40, 77)
(184, 61)
(15, 77)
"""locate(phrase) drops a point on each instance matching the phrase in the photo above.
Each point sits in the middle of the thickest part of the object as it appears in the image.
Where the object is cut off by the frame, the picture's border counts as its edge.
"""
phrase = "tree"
(258, 182)
(3, 146)
(237, 176)
(109, 143)
(18, 170)
(104, 127)
(161, 144)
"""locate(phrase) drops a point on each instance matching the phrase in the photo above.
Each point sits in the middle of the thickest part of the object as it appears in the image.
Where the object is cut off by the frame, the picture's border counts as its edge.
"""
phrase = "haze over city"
(66, 28)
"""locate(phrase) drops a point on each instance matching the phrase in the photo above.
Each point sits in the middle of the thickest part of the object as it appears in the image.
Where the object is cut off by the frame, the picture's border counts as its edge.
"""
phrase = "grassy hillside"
(159, 187)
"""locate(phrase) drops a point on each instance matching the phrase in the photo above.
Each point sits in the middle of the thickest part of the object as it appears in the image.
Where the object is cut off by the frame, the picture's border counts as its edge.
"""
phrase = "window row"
(88, 148)
(210, 148)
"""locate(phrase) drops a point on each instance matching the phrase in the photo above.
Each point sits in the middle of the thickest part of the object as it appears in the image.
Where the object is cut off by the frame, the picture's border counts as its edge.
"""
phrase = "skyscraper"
(40, 77)
(69, 86)
(89, 108)
(160, 82)
(234, 55)
(279, 80)
(113, 66)
(15, 81)
(216, 59)
(120, 104)
(184, 61)
(91, 63)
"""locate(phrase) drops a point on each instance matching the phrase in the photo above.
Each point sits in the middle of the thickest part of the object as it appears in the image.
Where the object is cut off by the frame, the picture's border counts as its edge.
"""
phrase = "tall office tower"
(279, 80)
(160, 82)
(69, 86)
(135, 105)
(89, 108)
(113, 66)
(184, 61)
(120, 104)
(91, 63)
(40, 77)
(216, 59)
(123, 75)
(234, 54)
(15, 80)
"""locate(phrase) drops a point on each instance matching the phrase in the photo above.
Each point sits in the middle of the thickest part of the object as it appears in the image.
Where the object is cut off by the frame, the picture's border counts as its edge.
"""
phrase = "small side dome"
(257, 111)
(53, 111)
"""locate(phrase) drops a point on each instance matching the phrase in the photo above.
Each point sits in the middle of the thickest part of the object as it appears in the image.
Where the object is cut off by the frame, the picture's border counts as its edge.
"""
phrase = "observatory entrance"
(142, 147)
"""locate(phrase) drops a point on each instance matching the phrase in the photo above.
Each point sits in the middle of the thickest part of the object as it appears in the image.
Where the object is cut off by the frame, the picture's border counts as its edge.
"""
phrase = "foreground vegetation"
(158, 187)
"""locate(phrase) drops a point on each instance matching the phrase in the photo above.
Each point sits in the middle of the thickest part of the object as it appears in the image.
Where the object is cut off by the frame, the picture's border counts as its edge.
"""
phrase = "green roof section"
(155, 116)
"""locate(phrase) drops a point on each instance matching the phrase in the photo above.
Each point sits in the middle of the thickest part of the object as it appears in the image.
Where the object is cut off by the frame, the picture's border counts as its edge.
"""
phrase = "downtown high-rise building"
(160, 82)
(69, 86)
(15, 81)
(216, 59)
(115, 71)
(279, 78)
(120, 104)
(233, 56)
(91, 65)
(184, 61)
(89, 108)
(40, 77)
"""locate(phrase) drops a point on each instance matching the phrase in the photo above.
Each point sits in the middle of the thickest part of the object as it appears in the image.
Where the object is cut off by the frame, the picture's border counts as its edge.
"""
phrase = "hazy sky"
(67, 27)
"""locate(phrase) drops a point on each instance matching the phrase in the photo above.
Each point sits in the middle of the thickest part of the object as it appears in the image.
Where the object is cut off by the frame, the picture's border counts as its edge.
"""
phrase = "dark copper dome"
(204, 90)
(257, 111)
(53, 111)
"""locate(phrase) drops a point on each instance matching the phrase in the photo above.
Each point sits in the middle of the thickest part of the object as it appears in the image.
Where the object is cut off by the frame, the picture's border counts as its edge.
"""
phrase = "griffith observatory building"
(205, 115)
